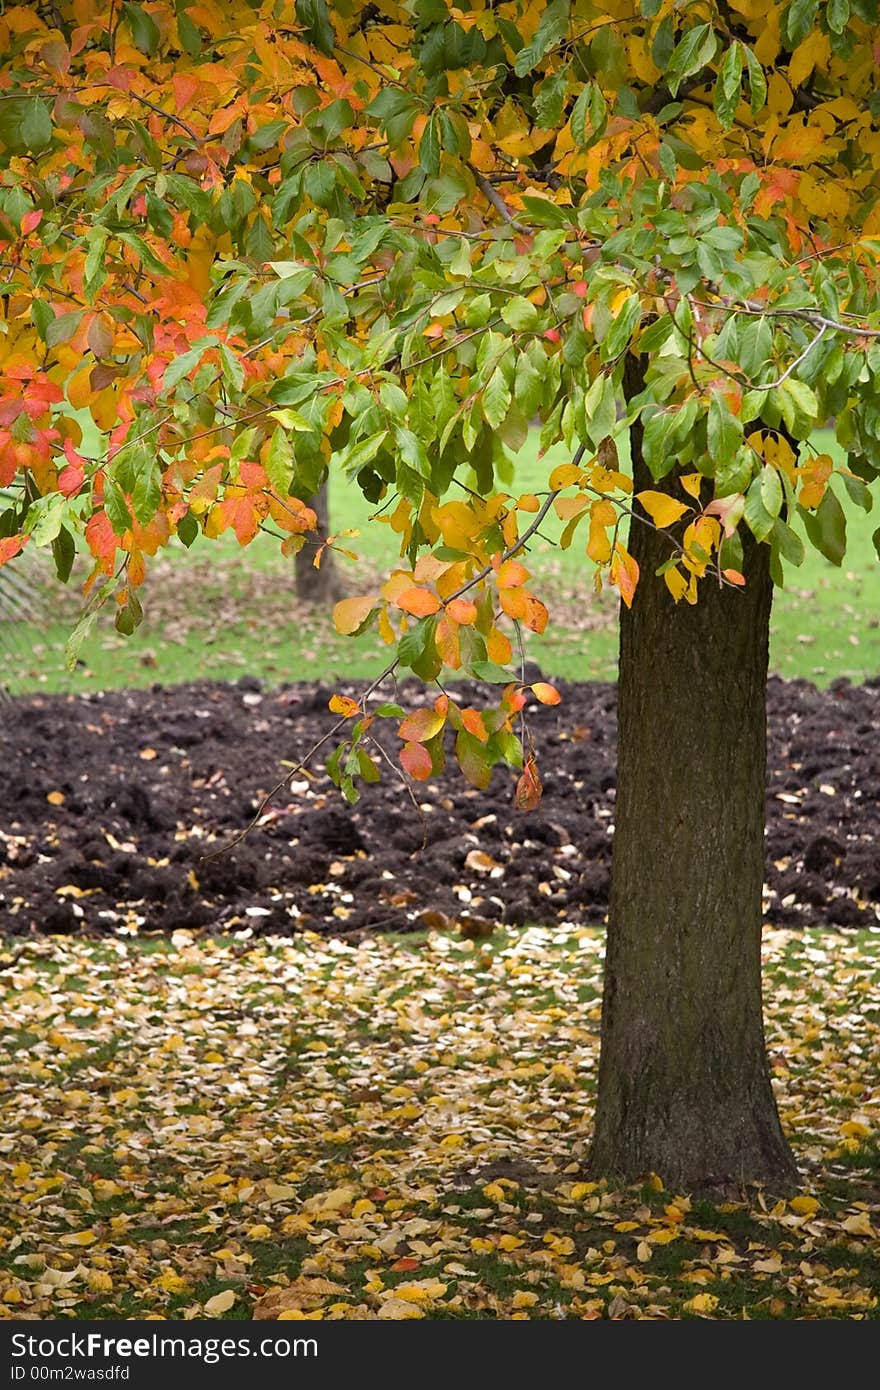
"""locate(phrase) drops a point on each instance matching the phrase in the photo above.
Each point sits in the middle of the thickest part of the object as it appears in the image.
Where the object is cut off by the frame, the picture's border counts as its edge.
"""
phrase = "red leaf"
(416, 760)
(11, 545)
(529, 789)
(31, 220)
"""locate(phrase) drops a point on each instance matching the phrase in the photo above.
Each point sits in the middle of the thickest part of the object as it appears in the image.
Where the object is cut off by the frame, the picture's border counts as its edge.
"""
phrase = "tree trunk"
(684, 1088)
(318, 586)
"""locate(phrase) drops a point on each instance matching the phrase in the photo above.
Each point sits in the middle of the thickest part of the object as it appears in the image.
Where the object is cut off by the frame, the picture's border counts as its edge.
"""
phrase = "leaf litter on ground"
(315, 1129)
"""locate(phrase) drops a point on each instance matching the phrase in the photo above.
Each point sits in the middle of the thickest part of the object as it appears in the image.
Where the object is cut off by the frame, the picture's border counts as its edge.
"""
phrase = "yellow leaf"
(79, 1238)
(220, 1303)
(675, 582)
(663, 1237)
(521, 1299)
(510, 1242)
(662, 510)
(564, 476)
(854, 1129)
(400, 1309)
(858, 1225)
(350, 613)
(704, 1303)
(772, 1265)
(691, 484)
(55, 798)
(804, 1206)
(171, 1282)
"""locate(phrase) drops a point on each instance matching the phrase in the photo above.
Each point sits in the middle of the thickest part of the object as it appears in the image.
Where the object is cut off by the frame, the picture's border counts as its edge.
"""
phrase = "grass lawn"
(217, 611)
(398, 1129)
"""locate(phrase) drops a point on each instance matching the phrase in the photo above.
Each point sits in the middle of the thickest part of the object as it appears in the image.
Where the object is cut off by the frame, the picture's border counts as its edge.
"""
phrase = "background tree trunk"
(684, 1088)
(318, 586)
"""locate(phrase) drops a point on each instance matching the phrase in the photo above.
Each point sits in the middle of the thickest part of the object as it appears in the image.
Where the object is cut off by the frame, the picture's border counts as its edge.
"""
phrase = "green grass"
(219, 612)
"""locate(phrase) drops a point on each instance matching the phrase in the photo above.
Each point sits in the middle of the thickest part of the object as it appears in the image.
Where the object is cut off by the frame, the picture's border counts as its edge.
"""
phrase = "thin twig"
(498, 203)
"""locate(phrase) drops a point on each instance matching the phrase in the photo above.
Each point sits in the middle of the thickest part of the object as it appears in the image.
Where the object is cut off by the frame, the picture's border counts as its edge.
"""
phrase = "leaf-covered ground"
(397, 1129)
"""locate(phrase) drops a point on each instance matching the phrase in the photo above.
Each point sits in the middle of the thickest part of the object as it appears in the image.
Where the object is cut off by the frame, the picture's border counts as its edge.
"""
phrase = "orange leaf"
(472, 721)
(498, 648)
(422, 725)
(547, 694)
(416, 760)
(420, 602)
(511, 574)
(734, 576)
(461, 610)
(624, 573)
(350, 613)
(514, 602)
(536, 616)
(341, 704)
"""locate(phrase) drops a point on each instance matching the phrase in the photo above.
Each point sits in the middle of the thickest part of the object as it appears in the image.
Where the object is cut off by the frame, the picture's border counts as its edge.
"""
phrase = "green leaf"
(496, 399)
(314, 18)
(183, 365)
(116, 507)
(490, 671)
(771, 490)
(550, 100)
(63, 553)
(520, 314)
(412, 452)
(619, 334)
(725, 97)
(758, 519)
(44, 518)
(826, 527)
(788, 543)
(757, 81)
(25, 125)
(473, 760)
(859, 493)
(837, 15)
(86, 622)
(551, 30)
(147, 493)
(187, 529)
(416, 648)
(279, 462)
(724, 430)
(355, 456)
(690, 55)
(799, 20)
(144, 29)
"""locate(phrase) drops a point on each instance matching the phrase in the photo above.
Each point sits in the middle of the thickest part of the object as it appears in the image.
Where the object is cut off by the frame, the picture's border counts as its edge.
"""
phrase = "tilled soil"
(109, 802)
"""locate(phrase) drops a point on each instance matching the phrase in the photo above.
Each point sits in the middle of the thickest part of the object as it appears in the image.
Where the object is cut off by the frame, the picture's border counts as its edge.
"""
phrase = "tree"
(318, 584)
(258, 241)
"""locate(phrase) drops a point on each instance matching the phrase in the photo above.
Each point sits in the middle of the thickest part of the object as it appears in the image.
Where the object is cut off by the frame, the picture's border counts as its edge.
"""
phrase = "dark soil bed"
(108, 803)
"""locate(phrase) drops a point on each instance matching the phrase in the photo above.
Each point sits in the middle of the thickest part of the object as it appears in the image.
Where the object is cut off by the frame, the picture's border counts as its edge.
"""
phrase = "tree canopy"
(257, 240)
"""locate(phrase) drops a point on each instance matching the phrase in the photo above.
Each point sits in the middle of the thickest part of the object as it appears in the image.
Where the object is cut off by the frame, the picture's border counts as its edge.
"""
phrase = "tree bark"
(323, 585)
(684, 1087)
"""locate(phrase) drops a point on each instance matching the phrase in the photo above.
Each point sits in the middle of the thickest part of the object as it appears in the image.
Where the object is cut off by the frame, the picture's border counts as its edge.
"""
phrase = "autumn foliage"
(243, 244)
